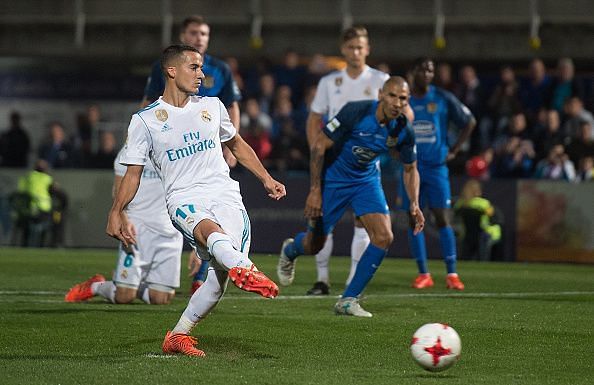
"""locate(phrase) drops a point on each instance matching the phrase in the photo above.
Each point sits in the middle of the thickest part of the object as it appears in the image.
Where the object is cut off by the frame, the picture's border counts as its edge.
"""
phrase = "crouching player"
(344, 174)
(149, 270)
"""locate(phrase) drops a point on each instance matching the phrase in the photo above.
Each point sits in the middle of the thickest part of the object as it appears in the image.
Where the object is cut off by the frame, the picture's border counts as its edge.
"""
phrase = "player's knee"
(124, 296)
(382, 239)
(160, 298)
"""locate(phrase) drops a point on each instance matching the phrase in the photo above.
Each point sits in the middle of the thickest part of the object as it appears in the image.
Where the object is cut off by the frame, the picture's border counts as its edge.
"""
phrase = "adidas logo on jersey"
(166, 127)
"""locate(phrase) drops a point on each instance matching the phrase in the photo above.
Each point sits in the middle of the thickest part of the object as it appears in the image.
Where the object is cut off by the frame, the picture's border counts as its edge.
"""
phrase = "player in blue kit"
(218, 81)
(344, 174)
(434, 109)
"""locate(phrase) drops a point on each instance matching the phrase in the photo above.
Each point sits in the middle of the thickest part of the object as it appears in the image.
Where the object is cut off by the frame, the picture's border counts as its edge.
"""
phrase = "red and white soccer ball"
(436, 347)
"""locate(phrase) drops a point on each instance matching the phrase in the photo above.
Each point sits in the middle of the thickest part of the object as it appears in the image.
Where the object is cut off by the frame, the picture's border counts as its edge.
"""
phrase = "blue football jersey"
(433, 113)
(218, 81)
(358, 140)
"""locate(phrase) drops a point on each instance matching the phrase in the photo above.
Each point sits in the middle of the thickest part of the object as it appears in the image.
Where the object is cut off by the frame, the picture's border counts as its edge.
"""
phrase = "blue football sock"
(418, 250)
(202, 272)
(295, 248)
(370, 261)
(447, 242)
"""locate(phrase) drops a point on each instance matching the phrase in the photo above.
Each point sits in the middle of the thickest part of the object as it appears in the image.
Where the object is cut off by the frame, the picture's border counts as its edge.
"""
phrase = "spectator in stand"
(266, 93)
(255, 128)
(289, 149)
(518, 126)
(586, 170)
(384, 67)
(556, 166)
(233, 64)
(515, 159)
(504, 102)
(548, 133)
(471, 94)
(575, 114)
(108, 151)
(565, 85)
(534, 90)
(582, 145)
(291, 74)
(283, 111)
(14, 144)
(315, 70)
(56, 149)
(443, 77)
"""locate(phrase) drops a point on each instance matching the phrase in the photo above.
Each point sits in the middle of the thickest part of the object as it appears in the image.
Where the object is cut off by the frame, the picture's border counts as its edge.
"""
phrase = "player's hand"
(451, 155)
(118, 228)
(194, 264)
(419, 218)
(313, 204)
(276, 190)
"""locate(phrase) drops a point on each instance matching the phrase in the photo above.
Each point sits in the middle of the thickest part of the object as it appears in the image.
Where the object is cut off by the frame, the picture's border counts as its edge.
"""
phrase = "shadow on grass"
(235, 348)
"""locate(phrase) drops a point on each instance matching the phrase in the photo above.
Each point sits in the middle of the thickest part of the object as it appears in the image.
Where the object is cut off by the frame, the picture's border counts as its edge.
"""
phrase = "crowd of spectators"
(532, 126)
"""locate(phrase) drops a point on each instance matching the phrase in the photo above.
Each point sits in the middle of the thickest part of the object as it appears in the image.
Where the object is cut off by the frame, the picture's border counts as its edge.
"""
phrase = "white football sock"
(143, 293)
(323, 258)
(104, 289)
(221, 247)
(203, 300)
(358, 246)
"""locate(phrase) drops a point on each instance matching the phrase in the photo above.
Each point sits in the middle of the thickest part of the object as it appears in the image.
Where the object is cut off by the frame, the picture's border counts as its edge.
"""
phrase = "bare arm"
(126, 190)
(411, 185)
(464, 135)
(248, 158)
(313, 127)
(313, 204)
(234, 116)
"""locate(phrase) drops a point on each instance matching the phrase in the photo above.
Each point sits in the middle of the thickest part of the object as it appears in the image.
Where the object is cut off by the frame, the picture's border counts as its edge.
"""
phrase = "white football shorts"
(155, 259)
(233, 220)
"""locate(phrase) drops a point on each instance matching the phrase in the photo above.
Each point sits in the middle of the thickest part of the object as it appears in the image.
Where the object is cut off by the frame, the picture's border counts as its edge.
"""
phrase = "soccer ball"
(436, 347)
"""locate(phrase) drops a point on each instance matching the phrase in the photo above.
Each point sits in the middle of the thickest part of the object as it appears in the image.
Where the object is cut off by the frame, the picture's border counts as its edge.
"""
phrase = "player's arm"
(248, 159)
(116, 222)
(313, 204)
(312, 128)
(462, 117)
(411, 185)
(117, 181)
(463, 137)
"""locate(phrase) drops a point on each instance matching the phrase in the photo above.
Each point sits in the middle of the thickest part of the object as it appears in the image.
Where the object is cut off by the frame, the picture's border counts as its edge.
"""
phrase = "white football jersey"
(338, 88)
(184, 145)
(148, 205)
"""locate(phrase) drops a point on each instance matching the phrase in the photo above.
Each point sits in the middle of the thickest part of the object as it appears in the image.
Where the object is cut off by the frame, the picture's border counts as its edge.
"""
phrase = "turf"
(519, 324)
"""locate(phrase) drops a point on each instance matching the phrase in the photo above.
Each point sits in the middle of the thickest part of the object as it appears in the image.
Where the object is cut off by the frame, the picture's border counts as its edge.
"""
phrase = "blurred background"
(73, 71)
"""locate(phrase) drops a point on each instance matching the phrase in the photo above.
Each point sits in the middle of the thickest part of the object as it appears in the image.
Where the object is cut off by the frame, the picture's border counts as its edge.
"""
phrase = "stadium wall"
(543, 221)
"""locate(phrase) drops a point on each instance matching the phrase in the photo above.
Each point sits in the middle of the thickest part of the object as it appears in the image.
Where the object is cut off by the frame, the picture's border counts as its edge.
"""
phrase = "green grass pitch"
(519, 324)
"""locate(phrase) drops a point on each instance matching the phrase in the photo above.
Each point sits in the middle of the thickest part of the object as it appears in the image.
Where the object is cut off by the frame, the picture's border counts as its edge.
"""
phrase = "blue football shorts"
(434, 190)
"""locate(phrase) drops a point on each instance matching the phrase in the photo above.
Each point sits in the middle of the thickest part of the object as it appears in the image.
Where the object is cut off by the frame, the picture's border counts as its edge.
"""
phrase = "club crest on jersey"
(161, 115)
(124, 274)
(338, 81)
(190, 221)
(367, 91)
(333, 125)
(432, 108)
(205, 116)
(391, 141)
(208, 82)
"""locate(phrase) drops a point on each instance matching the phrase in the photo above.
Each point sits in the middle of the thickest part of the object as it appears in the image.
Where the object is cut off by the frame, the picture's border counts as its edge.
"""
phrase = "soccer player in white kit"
(182, 135)
(357, 81)
(149, 270)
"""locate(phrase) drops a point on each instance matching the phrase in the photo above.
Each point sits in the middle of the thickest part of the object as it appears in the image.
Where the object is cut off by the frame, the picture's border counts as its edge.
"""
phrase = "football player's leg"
(162, 274)
(358, 246)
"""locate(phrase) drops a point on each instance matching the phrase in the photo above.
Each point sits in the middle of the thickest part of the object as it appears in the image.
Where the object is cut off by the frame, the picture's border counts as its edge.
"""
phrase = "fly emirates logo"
(193, 145)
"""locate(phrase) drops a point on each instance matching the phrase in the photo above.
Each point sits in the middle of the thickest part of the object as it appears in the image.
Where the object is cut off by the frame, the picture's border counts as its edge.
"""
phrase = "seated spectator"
(504, 102)
(534, 90)
(586, 170)
(56, 149)
(565, 85)
(105, 156)
(289, 149)
(471, 93)
(266, 93)
(575, 114)
(582, 145)
(556, 166)
(283, 110)
(480, 228)
(548, 133)
(291, 74)
(514, 158)
(443, 77)
(14, 144)
(255, 128)
(316, 68)
(234, 66)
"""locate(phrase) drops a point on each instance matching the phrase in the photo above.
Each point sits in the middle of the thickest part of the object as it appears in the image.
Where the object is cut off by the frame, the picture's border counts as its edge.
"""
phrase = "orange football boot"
(423, 281)
(181, 343)
(82, 291)
(454, 282)
(254, 281)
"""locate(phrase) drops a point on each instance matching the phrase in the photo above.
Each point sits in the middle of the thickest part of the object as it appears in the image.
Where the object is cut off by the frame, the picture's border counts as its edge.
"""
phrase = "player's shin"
(323, 258)
(368, 265)
(358, 246)
(418, 250)
(106, 289)
(447, 242)
(221, 247)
